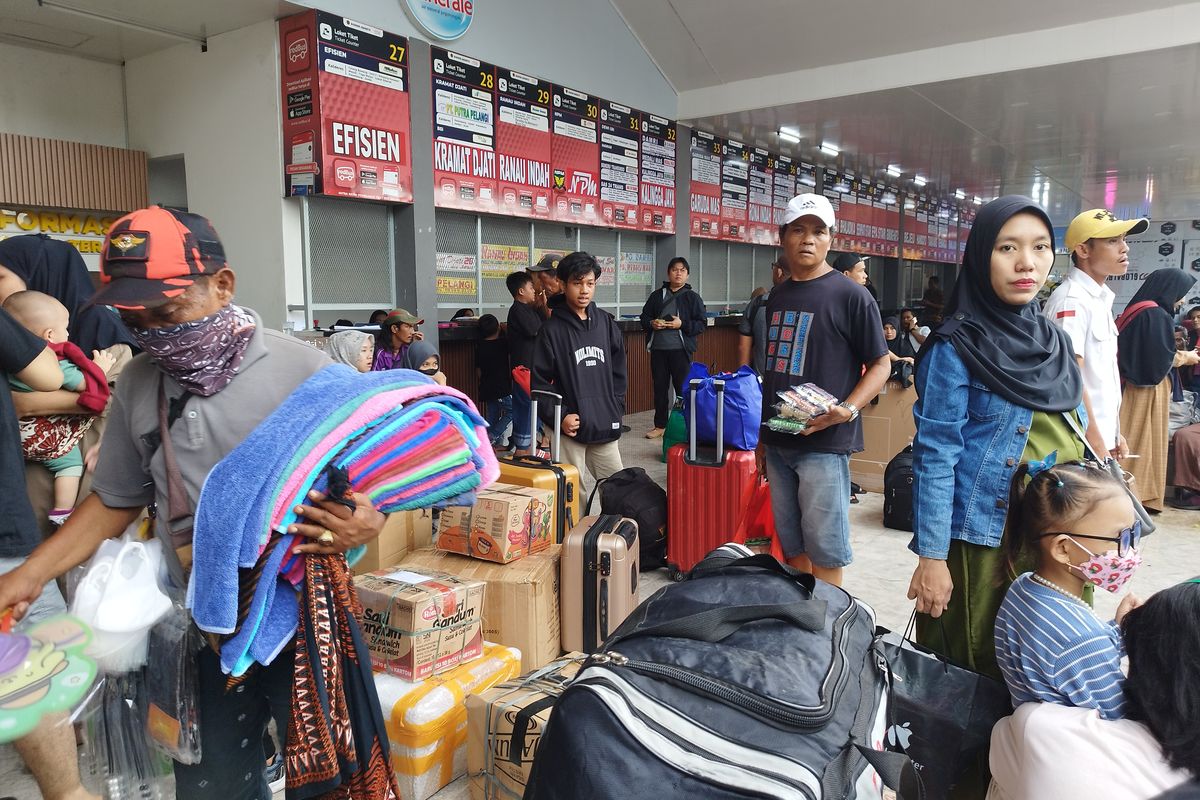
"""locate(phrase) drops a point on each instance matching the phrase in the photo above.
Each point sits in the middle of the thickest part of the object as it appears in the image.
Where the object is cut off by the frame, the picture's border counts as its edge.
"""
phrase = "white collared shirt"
(1083, 308)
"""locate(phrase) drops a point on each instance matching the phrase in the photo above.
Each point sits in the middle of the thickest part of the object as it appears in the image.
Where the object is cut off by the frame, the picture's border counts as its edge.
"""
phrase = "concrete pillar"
(416, 245)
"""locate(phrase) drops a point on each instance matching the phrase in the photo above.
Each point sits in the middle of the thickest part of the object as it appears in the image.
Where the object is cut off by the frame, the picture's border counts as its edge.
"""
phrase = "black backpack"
(634, 494)
(746, 680)
(898, 491)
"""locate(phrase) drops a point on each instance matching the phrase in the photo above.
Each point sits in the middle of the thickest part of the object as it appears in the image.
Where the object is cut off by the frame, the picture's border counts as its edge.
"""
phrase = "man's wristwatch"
(853, 409)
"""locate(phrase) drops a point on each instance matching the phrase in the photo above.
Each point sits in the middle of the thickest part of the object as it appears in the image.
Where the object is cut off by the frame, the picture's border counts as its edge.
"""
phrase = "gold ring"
(326, 537)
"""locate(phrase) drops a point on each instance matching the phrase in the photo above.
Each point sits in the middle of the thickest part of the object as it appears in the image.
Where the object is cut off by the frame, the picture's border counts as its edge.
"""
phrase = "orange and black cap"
(153, 255)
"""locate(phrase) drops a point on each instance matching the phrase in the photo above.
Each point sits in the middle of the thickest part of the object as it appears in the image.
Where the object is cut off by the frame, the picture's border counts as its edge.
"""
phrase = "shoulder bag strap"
(178, 504)
(1115, 470)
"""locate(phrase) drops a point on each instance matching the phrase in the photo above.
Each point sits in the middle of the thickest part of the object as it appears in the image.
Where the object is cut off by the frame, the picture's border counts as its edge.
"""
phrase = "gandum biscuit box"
(500, 527)
(418, 624)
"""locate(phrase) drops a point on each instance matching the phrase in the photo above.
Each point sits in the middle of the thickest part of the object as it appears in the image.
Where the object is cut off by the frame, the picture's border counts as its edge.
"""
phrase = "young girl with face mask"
(1078, 524)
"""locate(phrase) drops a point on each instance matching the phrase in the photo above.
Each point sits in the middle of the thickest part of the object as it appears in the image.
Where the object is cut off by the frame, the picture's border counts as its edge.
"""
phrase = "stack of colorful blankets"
(404, 441)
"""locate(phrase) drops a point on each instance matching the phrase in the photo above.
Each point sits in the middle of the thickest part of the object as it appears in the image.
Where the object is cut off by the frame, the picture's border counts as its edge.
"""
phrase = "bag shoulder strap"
(1134, 310)
(178, 504)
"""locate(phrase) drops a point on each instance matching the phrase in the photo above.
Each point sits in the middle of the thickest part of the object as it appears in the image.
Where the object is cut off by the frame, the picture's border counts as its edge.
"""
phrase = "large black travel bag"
(634, 494)
(747, 680)
(898, 491)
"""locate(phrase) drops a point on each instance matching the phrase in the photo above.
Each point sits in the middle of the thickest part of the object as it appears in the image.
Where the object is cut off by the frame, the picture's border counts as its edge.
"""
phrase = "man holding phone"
(1082, 307)
(672, 317)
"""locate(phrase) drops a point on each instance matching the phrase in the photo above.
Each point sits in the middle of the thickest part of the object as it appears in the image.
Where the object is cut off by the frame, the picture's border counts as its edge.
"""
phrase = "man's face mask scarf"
(202, 355)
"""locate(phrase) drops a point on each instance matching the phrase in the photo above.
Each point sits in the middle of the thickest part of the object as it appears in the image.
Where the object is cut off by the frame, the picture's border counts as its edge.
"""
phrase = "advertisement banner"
(498, 260)
(456, 286)
(575, 157)
(464, 131)
(735, 191)
(608, 271)
(346, 127)
(523, 144)
(620, 163)
(658, 174)
(456, 262)
(637, 269)
(837, 187)
(706, 152)
(761, 200)
(806, 178)
(784, 186)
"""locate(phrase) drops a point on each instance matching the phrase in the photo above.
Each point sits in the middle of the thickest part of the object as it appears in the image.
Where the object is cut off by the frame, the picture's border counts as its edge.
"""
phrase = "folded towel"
(404, 442)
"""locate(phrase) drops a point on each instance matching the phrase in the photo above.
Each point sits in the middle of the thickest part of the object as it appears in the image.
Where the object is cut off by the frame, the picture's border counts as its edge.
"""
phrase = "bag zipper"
(804, 717)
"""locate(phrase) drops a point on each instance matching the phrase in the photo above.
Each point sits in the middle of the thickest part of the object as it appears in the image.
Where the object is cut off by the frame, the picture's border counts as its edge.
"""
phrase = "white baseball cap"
(810, 205)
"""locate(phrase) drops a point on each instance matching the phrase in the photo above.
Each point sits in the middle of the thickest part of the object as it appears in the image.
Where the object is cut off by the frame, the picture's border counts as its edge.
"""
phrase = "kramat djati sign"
(442, 19)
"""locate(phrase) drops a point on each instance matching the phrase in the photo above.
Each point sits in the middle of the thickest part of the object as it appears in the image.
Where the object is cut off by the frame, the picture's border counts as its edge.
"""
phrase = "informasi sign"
(83, 230)
(442, 19)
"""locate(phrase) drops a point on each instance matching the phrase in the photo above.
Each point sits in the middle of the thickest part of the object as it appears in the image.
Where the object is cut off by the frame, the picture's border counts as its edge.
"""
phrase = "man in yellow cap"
(1082, 307)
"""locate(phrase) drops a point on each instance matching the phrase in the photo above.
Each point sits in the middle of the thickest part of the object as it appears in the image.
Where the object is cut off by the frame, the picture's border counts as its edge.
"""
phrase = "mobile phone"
(669, 318)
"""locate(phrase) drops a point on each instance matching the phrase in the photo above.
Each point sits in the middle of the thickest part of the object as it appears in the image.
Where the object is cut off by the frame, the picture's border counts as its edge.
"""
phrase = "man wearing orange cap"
(209, 373)
(1082, 307)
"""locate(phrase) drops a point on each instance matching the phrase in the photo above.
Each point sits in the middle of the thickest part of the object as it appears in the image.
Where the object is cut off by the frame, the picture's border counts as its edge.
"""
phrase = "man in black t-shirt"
(49, 751)
(822, 329)
(524, 322)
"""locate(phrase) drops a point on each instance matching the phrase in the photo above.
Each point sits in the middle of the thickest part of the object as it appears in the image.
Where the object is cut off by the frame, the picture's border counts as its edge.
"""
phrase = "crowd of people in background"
(1018, 516)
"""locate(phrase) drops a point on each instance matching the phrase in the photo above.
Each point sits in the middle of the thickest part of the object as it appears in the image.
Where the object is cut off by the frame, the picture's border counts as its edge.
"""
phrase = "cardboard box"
(426, 720)
(541, 516)
(403, 532)
(499, 751)
(520, 608)
(888, 428)
(500, 526)
(418, 624)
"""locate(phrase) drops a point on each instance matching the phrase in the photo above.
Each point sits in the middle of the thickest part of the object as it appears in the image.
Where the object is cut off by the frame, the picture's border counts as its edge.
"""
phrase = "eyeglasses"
(1127, 539)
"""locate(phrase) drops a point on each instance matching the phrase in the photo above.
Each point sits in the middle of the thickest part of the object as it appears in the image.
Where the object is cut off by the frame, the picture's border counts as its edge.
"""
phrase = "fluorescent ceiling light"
(960, 194)
(829, 149)
(789, 135)
(894, 170)
(977, 200)
(919, 180)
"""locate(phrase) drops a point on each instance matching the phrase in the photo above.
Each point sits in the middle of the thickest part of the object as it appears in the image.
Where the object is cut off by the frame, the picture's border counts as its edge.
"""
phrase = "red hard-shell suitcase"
(705, 487)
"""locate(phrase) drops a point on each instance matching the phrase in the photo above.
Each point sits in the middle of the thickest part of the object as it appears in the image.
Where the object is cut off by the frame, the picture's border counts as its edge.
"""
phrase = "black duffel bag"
(747, 680)
(634, 494)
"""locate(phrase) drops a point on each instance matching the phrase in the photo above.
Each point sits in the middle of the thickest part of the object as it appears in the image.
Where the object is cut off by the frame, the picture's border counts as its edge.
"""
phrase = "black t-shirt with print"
(820, 331)
(18, 528)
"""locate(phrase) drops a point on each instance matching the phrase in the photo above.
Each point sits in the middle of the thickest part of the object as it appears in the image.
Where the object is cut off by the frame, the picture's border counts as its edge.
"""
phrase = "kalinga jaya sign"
(346, 127)
(83, 230)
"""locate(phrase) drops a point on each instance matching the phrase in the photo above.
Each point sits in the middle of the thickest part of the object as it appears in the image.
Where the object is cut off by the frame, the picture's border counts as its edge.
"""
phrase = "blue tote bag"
(743, 406)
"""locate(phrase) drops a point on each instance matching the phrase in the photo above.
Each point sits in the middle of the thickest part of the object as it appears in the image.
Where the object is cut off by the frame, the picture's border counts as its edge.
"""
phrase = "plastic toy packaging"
(44, 674)
(798, 406)
(172, 686)
(117, 760)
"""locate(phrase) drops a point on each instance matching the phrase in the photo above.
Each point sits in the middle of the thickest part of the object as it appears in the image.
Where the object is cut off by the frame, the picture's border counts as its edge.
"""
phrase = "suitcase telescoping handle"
(693, 385)
(557, 401)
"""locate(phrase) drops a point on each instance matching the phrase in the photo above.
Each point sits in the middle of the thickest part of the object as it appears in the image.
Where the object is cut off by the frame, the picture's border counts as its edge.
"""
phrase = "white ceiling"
(1096, 130)
(24, 22)
(700, 43)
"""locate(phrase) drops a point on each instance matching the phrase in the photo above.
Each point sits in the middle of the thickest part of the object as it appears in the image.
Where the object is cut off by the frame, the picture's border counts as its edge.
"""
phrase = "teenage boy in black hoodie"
(672, 318)
(580, 354)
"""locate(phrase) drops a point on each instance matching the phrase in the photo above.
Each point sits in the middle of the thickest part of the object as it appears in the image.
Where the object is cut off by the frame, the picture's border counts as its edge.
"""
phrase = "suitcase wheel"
(677, 574)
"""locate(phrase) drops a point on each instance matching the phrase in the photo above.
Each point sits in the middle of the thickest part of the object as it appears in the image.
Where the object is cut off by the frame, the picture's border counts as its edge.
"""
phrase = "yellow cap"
(1099, 223)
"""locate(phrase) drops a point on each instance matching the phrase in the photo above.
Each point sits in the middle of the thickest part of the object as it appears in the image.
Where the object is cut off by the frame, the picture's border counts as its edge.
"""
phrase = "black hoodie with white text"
(584, 361)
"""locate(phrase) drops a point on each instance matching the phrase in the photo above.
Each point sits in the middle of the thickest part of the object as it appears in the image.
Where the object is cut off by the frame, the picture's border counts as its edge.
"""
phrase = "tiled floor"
(879, 575)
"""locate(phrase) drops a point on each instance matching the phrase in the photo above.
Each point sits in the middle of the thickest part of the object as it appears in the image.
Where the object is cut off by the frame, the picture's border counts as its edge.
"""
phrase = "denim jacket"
(969, 442)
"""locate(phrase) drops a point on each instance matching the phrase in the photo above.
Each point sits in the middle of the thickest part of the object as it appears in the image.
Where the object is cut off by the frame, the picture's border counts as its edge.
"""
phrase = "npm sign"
(443, 19)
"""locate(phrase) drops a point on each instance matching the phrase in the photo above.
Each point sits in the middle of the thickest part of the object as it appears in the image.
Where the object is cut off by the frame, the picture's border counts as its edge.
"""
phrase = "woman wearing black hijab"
(39, 263)
(1146, 356)
(993, 382)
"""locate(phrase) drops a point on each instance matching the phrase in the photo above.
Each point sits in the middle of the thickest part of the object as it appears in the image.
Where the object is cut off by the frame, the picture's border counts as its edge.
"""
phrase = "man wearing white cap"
(1082, 307)
(826, 330)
